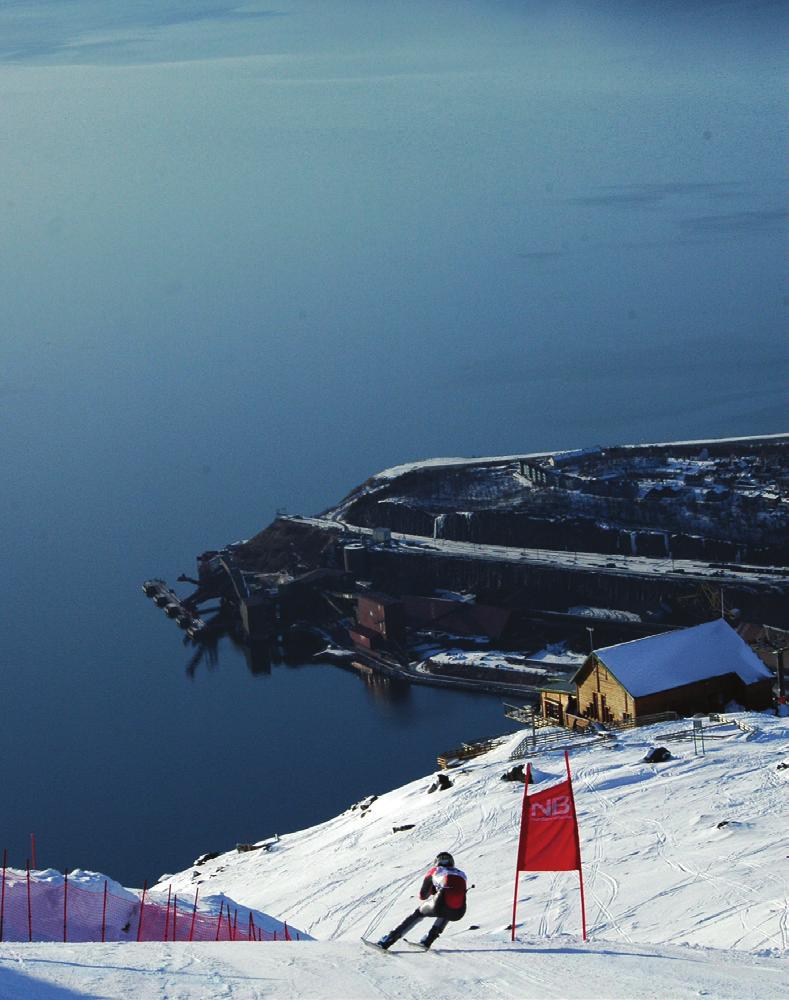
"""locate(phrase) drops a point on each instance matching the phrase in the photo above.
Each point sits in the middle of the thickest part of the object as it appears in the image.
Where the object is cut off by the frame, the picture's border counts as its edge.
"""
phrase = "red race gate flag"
(549, 839)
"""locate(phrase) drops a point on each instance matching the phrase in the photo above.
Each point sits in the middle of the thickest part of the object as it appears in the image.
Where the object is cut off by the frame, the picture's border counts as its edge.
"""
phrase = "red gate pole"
(33, 851)
(194, 915)
(219, 922)
(577, 843)
(251, 928)
(518, 862)
(515, 902)
(104, 914)
(142, 907)
(235, 925)
(2, 892)
(29, 905)
(175, 911)
(167, 918)
(65, 904)
(583, 907)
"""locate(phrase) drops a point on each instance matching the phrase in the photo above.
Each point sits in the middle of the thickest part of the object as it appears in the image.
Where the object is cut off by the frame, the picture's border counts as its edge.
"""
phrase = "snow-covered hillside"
(684, 864)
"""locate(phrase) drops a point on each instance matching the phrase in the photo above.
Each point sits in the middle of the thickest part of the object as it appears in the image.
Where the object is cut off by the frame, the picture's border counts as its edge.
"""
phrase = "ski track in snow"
(735, 892)
(683, 875)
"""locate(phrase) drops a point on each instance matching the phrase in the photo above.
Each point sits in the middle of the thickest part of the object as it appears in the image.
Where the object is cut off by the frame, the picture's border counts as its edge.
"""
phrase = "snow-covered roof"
(661, 662)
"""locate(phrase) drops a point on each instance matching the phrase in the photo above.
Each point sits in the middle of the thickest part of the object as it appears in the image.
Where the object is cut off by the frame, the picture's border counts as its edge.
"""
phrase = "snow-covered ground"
(685, 871)
(494, 660)
(399, 470)
(546, 663)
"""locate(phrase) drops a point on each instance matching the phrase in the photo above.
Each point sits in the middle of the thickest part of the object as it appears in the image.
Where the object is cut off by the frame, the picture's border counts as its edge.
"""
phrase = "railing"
(527, 715)
(643, 720)
(466, 751)
(558, 739)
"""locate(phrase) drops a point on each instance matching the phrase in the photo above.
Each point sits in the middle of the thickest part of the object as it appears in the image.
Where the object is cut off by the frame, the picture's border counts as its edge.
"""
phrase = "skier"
(443, 893)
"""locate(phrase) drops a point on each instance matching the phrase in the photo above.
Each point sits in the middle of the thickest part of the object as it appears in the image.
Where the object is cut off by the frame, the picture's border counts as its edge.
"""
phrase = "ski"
(375, 946)
(416, 944)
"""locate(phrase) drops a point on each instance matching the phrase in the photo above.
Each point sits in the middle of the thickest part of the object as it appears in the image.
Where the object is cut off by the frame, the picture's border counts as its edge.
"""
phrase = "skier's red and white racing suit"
(444, 892)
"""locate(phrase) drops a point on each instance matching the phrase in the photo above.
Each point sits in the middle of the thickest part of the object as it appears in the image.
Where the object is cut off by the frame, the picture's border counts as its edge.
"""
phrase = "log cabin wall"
(556, 704)
(601, 696)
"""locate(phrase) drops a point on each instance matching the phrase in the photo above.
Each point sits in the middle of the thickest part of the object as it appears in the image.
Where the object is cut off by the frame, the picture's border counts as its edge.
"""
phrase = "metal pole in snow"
(175, 911)
(518, 862)
(104, 914)
(142, 907)
(194, 915)
(167, 918)
(65, 904)
(219, 922)
(577, 844)
(29, 904)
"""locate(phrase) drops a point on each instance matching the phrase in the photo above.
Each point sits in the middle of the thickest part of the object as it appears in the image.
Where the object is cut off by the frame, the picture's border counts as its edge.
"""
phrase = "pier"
(164, 597)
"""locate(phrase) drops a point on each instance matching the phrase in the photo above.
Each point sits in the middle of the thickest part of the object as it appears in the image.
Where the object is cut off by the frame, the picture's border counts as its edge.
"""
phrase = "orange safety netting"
(33, 909)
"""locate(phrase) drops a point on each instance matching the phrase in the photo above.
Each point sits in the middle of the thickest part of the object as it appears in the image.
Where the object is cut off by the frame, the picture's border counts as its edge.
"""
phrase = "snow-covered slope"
(538, 969)
(691, 851)
(685, 872)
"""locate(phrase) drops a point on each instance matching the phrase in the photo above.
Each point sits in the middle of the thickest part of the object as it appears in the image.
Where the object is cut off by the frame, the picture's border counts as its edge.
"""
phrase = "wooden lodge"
(691, 670)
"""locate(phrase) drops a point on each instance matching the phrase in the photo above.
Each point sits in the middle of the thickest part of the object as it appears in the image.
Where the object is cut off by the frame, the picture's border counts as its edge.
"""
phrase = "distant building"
(437, 614)
(382, 615)
(691, 670)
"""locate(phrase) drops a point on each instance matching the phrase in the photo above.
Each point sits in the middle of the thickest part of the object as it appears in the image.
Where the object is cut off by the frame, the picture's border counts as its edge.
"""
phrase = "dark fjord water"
(248, 262)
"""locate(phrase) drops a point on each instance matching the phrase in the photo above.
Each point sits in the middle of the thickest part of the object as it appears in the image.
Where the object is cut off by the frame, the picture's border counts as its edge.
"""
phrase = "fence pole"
(287, 933)
(167, 918)
(219, 921)
(251, 928)
(142, 907)
(104, 914)
(175, 910)
(29, 904)
(65, 905)
(194, 915)
(2, 892)
(235, 925)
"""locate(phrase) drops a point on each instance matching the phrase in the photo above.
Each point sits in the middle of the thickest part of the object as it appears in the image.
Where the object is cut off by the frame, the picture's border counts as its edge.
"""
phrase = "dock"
(164, 597)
